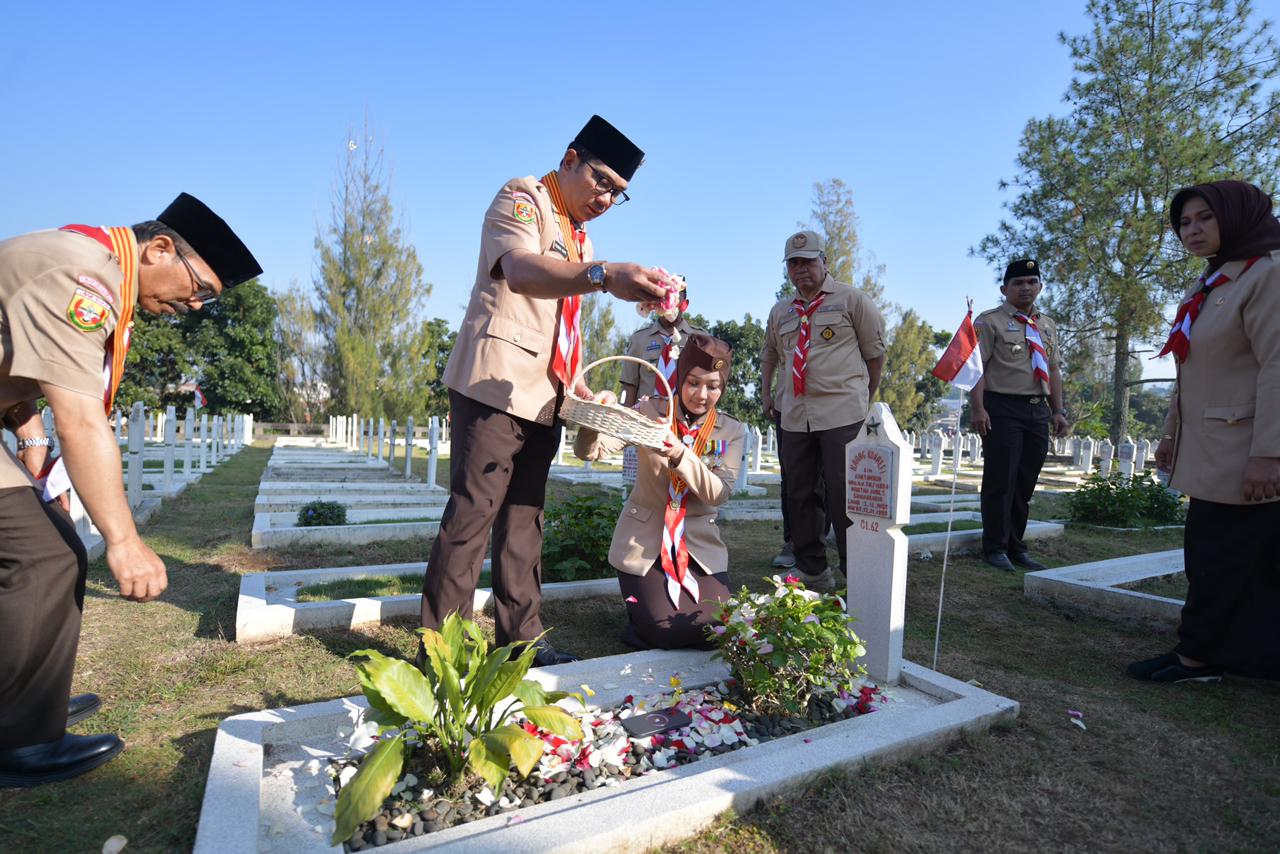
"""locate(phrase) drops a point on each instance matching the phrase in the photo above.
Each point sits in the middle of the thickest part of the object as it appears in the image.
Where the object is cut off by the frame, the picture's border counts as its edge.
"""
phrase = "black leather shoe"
(82, 706)
(549, 656)
(69, 756)
(999, 560)
(1169, 668)
(1024, 559)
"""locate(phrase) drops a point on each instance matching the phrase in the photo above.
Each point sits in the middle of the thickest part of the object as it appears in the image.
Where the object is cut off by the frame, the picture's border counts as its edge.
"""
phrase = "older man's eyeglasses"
(201, 291)
(604, 184)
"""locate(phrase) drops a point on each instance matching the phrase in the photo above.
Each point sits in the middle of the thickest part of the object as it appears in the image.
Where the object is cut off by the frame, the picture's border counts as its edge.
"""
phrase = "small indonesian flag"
(201, 400)
(961, 362)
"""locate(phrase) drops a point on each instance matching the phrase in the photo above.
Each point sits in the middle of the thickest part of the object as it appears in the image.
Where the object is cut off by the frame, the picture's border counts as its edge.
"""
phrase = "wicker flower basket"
(618, 421)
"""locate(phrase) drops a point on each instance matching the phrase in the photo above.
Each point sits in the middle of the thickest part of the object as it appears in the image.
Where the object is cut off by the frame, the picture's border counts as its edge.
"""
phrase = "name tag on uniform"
(823, 308)
(653, 345)
(559, 248)
(1013, 326)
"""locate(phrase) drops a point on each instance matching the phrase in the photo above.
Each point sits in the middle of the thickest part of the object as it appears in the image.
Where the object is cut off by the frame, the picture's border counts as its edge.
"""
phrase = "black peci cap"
(607, 143)
(1022, 267)
(212, 239)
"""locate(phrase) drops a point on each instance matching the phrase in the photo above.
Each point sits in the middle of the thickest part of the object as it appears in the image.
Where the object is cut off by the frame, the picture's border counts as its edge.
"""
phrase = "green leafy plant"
(1124, 502)
(315, 513)
(464, 699)
(787, 646)
(577, 535)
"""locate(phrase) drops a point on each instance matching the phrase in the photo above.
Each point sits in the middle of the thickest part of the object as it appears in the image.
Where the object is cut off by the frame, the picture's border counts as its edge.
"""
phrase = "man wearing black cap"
(1011, 406)
(517, 350)
(67, 298)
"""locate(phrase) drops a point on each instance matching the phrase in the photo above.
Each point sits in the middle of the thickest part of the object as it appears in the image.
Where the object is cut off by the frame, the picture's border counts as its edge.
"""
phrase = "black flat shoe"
(999, 560)
(549, 656)
(1169, 668)
(1024, 559)
(69, 756)
(82, 706)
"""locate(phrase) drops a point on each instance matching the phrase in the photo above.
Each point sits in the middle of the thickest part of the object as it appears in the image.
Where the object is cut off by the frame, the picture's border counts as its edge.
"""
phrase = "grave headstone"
(216, 451)
(757, 441)
(137, 438)
(1087, 450)
(188, 438)
(1128, 450)
(935, 453)
(977, 449)
(773, 441)
(1144, 454)
(878, 502)
(382, 437)
(740, 483)
(433, 457)
(204, 442)
(119, 427)
(408, 448)
(391, 446)
(170, 444)
(630, 466)
(1105, 454)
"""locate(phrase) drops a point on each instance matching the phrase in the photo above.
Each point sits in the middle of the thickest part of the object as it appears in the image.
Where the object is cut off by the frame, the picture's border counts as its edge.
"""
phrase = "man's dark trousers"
(498, 481)
(1013, 453)
(42, 576)
(807, 458)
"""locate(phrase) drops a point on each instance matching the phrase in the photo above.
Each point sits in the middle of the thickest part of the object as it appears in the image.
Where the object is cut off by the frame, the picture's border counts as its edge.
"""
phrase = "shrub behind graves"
(315, 513)
(790, 645)
(461, 702)
(577, 535)
(1124, 502)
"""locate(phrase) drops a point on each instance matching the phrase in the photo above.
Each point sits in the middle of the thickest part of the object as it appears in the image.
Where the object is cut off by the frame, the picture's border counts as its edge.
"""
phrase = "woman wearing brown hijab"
(1222, 437)
(673, 566)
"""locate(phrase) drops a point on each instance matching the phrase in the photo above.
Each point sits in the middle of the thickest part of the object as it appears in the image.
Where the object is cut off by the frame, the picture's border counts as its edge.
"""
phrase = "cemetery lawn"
(1171, 586)
(371, 585)
(1190, 767)
(939, 527)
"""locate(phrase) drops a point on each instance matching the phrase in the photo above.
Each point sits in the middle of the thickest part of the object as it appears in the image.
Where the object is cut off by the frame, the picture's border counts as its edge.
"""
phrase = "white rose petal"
(115, 844)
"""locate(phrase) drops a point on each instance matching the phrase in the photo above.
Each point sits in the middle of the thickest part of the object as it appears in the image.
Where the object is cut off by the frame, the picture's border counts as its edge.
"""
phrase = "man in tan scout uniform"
(1011, 407)
(830, 342)
(659, 343)
(67, 299)
(519, 346)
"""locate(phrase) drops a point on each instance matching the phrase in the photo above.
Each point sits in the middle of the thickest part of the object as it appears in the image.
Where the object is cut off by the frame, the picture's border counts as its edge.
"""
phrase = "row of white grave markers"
(362, 436)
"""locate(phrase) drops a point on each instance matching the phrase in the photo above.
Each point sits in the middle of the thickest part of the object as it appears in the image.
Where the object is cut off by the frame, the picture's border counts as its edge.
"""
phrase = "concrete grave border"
(262, 616)
(1091, 588)
(661, 807)
(265, 536)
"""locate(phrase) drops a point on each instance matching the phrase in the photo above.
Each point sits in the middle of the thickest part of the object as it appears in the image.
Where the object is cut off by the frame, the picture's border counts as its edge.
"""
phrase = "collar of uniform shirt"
(1009, 309)
(828, 286)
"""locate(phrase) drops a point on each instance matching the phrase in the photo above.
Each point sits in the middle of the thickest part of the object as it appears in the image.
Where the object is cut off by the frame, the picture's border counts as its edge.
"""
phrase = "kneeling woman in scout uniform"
(673, 567)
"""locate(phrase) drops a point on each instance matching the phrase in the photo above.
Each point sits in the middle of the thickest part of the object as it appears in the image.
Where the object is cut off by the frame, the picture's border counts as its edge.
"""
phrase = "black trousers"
(42, 575)
(660, 625)
(1013, 453)
(807, 458)
(498, 482)
(1232, 614)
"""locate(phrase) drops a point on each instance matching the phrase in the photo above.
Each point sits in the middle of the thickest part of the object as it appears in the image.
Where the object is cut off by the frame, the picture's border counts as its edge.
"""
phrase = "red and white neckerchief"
(675, 554)
(121, 243)
(1039, 358)
(799, 359)
(1179, 342)
(668, 358)
(567, 356)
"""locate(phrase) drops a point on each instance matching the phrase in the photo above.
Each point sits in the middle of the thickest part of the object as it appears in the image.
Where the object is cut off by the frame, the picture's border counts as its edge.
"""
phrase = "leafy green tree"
(303, 392)
(370, 290)
(601, 337)
(157, 364)
(741, 398)
(834, 217)
(235, 354)
(435, 396)
(1166, 93)
(906, 384)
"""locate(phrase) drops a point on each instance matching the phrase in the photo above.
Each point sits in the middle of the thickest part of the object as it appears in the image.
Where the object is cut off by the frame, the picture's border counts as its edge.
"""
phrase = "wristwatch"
(44, 442)
(596, 273)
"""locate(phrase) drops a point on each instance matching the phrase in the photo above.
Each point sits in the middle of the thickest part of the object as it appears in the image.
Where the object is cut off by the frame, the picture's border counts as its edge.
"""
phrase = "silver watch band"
(23, 444)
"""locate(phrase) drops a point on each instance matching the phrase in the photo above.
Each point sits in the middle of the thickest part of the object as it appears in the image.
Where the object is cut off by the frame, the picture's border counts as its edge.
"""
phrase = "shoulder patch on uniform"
(99, 288)
(522, 210)
(86, 311)
(521, 196)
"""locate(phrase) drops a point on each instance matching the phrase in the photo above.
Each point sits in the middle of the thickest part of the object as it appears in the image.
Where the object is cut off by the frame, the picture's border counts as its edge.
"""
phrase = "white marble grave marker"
(170, 445)
(408, 448)
(188, 437)
(1105, 454)
(878, 501)
(1087, 450)
(1144, 454)
(1127, 451)
(204, 442)
(137, 438)
(433, 456)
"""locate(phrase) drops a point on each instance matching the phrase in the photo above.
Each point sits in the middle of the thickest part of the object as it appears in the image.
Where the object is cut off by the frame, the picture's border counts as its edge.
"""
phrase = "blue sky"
(110, 111)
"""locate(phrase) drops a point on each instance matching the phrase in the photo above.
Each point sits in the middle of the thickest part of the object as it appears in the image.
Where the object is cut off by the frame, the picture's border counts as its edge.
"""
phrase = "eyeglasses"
(201, 291)
(604, 184)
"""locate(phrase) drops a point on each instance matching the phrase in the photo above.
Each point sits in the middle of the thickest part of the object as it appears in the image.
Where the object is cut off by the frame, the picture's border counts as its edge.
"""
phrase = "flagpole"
(946, 545)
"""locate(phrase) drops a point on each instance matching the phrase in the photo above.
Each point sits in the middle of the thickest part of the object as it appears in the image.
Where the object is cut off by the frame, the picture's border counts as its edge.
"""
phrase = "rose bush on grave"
(788, 646)
(466, 699)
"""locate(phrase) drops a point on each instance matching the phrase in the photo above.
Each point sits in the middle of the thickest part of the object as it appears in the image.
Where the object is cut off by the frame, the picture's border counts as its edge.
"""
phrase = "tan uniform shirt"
(1006, 358)
(1226, 407)
(44, 277)
(848, 331)
(637, 539)
(502, 356)
(646, 343)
